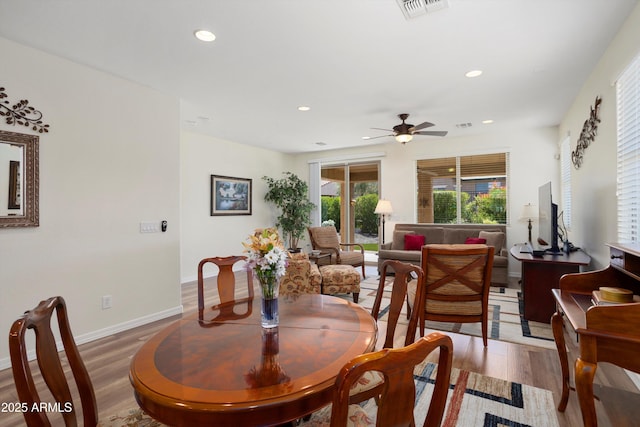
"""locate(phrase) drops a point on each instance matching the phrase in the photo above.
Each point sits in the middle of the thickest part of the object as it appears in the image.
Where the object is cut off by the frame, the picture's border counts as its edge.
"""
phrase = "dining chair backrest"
(397, 397)
(226, 279)
(39, 320)
(457, 283)
(404, 273)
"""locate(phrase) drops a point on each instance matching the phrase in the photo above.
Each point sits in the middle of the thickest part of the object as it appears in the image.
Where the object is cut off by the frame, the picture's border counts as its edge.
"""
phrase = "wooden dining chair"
(325, 239)
(457, 282)
(404, 274)
(397, 398)
(226, 279)
(366, 388)
(50, 366)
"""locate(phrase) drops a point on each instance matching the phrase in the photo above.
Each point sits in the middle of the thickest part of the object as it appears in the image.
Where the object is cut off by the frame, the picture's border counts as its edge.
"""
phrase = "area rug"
(473, 400)
(506, 319)
(478, 400)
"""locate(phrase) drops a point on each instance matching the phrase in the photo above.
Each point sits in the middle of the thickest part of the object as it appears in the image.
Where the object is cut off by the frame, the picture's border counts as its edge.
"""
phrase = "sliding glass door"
(349, 194)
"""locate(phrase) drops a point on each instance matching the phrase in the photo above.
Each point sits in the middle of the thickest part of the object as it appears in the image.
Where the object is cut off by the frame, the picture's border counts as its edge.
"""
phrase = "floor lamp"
(383, 208)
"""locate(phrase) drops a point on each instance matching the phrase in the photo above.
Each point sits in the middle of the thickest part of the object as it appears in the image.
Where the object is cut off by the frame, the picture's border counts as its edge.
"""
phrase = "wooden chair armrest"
(354, 245)
(327, 248)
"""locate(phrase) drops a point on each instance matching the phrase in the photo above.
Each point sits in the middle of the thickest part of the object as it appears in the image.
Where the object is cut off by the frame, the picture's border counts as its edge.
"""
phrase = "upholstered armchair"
(302, 276)
(325, 239)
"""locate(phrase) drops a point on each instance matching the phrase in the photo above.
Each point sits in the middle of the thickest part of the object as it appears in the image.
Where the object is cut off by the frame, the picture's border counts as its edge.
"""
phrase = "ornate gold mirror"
(19, 180)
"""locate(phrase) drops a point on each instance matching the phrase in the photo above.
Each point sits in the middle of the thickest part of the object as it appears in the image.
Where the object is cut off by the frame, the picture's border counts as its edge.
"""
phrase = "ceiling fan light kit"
(404, 132)
(404, 137)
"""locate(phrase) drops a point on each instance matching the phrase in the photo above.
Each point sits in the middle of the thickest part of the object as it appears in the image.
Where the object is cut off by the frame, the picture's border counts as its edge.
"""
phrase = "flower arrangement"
(328, 223)
(267, 258)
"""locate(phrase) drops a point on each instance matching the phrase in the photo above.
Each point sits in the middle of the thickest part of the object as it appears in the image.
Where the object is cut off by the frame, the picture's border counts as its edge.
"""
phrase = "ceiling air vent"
(463, 125)
(414, 8)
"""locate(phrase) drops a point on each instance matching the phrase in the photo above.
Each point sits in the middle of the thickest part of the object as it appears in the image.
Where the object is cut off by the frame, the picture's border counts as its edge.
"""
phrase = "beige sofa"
(495, 235)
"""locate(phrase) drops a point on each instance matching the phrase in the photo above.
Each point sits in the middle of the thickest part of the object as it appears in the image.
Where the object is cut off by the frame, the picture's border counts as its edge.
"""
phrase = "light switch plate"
(150, 227)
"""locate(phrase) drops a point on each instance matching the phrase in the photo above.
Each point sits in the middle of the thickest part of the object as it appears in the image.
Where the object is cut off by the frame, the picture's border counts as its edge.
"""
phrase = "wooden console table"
(540, 275)
(606, 333)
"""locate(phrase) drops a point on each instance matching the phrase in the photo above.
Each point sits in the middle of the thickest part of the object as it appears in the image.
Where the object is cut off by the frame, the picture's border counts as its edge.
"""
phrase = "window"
(465, 189)
(628, 175)
(565, 172)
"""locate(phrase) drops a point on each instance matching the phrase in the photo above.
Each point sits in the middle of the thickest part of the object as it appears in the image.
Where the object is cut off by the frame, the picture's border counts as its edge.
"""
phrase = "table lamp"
(529, 213)
(383, 208)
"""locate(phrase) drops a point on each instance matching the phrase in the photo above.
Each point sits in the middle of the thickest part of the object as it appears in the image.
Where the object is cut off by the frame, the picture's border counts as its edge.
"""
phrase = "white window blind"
(565, 172)
(628, 174)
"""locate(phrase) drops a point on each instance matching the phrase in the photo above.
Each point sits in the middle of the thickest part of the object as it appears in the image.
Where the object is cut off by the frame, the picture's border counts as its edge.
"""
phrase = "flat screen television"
(547, 220)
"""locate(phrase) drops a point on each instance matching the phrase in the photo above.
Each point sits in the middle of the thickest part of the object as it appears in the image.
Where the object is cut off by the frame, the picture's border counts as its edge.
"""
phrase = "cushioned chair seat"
(349, 258)
(340, 279)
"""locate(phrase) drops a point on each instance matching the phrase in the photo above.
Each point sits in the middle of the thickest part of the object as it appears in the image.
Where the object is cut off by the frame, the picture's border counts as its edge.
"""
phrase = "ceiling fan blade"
(381, 136)
(432, 132)
(388, 130)
(423, 125)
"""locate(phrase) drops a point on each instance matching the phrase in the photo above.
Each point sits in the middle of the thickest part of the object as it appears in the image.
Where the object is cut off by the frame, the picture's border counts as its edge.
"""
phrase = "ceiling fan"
(404, 131)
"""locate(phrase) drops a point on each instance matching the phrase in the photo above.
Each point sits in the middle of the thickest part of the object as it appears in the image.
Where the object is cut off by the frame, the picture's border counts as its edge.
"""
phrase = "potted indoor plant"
(290, 195)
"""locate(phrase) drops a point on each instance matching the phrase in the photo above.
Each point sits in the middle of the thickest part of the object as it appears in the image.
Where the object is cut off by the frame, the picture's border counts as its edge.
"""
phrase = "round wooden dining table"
(222, 368)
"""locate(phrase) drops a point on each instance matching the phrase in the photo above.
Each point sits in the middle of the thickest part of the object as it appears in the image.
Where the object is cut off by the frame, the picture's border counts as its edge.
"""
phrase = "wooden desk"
(224, 369)
(540, 275)
(606, 333)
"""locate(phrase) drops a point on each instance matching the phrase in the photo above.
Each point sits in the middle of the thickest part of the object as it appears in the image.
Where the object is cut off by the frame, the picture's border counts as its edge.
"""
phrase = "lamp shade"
(383, 207)
(529, 211)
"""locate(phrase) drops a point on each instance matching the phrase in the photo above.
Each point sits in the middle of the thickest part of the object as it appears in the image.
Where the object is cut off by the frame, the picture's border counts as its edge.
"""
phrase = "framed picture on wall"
(230, 196)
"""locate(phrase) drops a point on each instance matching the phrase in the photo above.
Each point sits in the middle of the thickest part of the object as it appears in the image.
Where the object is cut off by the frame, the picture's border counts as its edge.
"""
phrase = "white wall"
(203, 235)
(532, 161)
(108, 163)
(594, 184)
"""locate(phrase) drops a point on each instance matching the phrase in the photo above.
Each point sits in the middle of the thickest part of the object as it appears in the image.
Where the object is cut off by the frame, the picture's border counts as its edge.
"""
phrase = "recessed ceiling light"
(204, 35)
(487, 122)
(304, 108)
(366, 137)
(473, 73)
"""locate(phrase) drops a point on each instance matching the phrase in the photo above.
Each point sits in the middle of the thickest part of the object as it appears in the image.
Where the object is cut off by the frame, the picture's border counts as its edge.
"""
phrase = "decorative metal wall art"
(588, 134)
(22, 114)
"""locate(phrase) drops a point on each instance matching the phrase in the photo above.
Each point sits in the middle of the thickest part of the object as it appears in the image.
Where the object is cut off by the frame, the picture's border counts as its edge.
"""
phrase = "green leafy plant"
(365, 216)
(330, 210)
(291, 195)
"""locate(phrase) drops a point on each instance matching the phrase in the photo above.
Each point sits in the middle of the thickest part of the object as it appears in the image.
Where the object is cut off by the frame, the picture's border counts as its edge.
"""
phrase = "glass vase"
(269, 315)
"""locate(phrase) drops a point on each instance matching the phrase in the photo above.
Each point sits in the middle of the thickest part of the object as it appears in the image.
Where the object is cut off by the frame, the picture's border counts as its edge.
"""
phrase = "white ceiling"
(356, 63)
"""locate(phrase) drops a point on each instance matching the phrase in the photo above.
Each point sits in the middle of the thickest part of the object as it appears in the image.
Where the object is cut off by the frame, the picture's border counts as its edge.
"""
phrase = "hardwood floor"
(108, 361)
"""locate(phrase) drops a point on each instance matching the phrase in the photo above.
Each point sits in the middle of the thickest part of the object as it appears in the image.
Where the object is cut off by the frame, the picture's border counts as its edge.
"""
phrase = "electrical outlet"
(106, 302)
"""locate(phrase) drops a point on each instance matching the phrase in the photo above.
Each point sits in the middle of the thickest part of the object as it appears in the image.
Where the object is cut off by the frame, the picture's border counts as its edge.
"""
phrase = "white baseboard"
(5, 363)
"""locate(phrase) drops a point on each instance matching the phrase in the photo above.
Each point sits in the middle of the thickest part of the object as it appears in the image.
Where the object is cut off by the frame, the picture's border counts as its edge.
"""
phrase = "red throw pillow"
(413, 242)
(475, 240)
